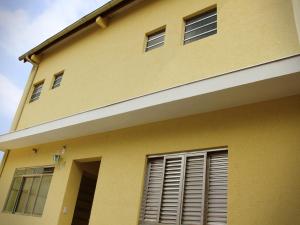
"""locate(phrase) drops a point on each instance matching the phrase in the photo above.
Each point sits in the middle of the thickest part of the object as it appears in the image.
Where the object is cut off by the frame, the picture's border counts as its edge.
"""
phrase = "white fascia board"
(166, 104)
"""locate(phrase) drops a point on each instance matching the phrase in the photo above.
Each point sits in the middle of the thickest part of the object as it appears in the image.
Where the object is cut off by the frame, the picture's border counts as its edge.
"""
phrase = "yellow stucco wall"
(103, 66)
(264, 155)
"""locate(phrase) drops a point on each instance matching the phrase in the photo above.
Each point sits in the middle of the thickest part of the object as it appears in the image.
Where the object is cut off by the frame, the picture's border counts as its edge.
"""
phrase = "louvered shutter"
(217, 189)
(186, 189)
(171, 190)
(192, 206)
(152, 193)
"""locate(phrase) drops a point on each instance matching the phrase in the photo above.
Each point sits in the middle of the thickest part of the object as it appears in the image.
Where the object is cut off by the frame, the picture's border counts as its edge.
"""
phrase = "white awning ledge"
(263, 82)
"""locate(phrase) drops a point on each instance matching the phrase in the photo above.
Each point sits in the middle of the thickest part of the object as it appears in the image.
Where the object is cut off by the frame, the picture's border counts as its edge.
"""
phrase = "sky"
(23, 25)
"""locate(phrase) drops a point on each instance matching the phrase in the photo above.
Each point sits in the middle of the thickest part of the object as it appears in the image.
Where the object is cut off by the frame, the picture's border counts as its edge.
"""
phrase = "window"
(155, 40)
(186, 189)
(57, 80)
(29, 191)
(200, 26)
(36, 91)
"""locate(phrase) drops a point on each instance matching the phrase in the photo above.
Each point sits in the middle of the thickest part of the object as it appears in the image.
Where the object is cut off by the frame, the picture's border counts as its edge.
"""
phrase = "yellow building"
(160, 112)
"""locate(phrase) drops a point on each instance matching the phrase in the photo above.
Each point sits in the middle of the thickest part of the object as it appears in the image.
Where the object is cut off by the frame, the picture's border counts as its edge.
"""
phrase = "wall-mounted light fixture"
(35, 150)
(57, 157)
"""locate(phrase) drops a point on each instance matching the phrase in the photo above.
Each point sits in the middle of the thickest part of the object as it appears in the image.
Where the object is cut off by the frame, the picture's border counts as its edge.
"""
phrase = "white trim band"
(258, 83)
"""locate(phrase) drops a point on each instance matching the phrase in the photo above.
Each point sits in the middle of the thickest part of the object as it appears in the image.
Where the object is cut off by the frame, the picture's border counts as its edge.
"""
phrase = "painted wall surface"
(264, 155)
(104, 66)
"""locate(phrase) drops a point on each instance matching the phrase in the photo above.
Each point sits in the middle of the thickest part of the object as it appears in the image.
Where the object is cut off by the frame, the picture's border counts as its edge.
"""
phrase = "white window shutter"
(192, 206)
(152, 191)
(170, 204)
(186, 189)
(217, 189)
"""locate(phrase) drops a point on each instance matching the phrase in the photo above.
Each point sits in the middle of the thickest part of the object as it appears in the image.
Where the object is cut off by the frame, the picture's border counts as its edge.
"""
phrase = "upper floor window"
(36, 91)
(29, 191)
(186, 188)
(155, 40)
(200, 26)
(57, 80)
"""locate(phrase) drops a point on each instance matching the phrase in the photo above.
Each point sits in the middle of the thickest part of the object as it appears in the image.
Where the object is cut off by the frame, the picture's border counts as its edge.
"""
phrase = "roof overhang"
(263, 82)
(103, 11)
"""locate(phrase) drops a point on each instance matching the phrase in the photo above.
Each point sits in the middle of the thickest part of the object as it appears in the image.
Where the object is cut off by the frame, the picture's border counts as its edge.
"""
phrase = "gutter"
(103, 11)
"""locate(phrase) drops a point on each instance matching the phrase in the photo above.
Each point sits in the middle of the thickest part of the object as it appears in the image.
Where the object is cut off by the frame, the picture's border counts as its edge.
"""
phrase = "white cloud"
(21, 31)
(10, 96)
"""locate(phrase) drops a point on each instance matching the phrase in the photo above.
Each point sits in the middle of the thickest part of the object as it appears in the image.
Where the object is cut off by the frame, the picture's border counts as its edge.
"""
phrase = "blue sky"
(23, 25)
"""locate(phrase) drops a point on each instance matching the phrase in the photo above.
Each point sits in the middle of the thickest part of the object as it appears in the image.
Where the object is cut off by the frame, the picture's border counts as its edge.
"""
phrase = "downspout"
(296, 10)
(20, 107)
(3, 161)
(26, 91)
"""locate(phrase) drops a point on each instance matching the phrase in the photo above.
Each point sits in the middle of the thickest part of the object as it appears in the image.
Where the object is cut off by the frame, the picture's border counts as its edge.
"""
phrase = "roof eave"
(104, 10)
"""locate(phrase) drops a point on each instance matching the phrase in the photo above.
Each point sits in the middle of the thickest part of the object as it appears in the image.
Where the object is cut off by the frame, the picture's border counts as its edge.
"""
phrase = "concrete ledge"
(263, 82)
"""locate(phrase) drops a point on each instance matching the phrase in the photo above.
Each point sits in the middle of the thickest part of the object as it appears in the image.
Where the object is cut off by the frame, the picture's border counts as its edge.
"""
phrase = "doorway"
(86, 192)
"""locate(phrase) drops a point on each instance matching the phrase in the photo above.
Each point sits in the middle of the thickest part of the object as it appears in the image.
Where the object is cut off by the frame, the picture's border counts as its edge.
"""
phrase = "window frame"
(23, 179)
(35, 86)
(184, 155)
(195, 15)
(148, 35)
(59, 74)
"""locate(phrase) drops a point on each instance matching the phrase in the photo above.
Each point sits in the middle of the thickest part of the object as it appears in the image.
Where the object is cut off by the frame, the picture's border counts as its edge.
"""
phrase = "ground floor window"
(29, 190)
(186, 189)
